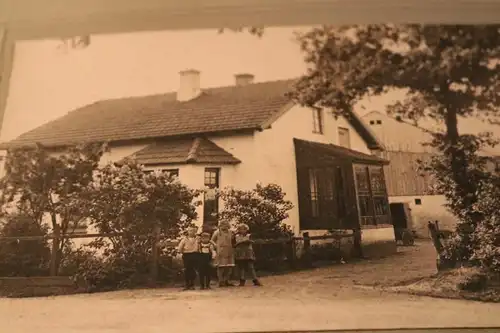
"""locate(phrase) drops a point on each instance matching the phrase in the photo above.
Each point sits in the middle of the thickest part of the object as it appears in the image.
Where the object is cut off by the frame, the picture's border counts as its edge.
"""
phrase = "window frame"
(208, 218)
(172, 172)
(318, 123)
(370, 194)
(325, 205)
(347, 133)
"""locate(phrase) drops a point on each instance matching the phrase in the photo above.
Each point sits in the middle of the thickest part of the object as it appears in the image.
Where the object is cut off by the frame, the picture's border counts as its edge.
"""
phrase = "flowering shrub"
(123, 199)
(263, 209)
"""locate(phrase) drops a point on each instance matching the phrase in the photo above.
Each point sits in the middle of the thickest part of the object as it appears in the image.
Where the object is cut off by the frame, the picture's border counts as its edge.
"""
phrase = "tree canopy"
(449, 71)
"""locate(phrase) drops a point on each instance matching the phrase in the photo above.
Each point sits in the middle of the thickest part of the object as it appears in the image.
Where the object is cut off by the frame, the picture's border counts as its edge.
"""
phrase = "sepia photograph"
(264, 178)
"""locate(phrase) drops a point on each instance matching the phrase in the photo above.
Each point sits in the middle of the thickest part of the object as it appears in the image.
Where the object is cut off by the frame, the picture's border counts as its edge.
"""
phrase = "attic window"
(372, 122)
(379, 122)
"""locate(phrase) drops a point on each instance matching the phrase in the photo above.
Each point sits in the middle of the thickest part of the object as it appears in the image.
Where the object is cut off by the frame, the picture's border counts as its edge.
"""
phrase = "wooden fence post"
(54, 253)
(155, 255)
(307, 249)
(291, 253)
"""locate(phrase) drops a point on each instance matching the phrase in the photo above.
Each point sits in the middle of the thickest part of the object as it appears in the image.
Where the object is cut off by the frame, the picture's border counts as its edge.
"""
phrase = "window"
(74, 228)
(344, 138)
(314, 192)
(171, 172)
(418, 201)
(317, 121)
(372, 122)
(379, 122)
(341, 198)
(372, 195)
(325, 199)
(211, 200)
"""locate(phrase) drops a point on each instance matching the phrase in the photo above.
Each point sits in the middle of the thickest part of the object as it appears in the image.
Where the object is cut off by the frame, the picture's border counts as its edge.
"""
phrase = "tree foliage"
(487, 231)
(124, 199)
(39, 183)
(26, 257)
(448, 72)
(263, 209)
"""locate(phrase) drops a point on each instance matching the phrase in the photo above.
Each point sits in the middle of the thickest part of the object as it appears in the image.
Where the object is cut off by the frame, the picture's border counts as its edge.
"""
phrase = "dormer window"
(317, 121)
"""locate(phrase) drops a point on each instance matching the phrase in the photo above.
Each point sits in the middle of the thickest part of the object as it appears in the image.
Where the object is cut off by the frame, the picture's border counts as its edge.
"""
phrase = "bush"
(472, 279)
(123, 199)
(126, 267)
(263, 209)
(25, 257)
(486, 234)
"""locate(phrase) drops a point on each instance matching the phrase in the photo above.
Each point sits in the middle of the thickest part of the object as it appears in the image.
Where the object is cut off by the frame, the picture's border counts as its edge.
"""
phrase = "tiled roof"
(222, 109)
(178, 151)
(325, 150)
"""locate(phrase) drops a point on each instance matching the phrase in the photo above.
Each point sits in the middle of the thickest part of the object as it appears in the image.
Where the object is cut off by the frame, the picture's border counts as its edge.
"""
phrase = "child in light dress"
(224, 260)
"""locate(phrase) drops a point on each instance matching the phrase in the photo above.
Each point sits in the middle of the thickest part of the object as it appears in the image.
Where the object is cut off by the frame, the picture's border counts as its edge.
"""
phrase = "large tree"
(449, 73)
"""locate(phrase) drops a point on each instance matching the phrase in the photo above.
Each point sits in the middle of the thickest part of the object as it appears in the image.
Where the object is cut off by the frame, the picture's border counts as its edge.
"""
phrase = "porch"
(343, 189)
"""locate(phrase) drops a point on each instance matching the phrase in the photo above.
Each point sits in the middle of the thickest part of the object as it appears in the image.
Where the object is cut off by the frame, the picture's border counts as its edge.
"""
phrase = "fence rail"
(289, 245)
(106, 235)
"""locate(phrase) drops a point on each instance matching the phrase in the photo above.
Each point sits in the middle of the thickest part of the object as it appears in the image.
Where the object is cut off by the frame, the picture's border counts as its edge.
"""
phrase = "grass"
(461, 283)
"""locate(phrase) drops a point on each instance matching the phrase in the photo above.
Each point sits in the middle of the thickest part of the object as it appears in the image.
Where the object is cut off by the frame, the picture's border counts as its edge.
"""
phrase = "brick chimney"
(189, 87)
(243, 79)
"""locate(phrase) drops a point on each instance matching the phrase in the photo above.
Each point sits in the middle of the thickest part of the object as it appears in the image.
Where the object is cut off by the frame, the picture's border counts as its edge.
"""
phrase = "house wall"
(404, 145)
(404, 176)
(276, 156)
(431, 208)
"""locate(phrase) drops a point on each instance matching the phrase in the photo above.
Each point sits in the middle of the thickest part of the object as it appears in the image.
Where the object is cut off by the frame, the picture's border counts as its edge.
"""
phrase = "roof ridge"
(193, 151)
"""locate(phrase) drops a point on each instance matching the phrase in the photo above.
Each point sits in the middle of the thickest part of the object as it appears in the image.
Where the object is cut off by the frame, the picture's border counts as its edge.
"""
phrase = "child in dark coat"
(189, 248)
(244, 255)
(207, 254)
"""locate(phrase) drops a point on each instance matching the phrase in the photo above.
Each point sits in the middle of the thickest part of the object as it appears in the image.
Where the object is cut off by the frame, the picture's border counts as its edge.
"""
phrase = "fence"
(293, 252)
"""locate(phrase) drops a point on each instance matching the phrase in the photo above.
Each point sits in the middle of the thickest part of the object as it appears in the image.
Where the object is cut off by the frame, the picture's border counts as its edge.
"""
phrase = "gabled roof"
(186, 150)
(326, 150)
(233, 108)
(396, 135)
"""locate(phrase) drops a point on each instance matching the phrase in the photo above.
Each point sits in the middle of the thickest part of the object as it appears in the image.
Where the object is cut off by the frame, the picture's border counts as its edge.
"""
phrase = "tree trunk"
(54, 258)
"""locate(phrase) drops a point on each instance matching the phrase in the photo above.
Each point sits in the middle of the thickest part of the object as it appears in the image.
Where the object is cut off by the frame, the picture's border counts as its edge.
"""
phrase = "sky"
(49, 80)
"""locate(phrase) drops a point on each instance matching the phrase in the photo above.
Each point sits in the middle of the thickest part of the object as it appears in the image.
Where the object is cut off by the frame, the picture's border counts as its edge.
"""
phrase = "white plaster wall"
(375, 235)
(275, 153)
(246, 174)
(432, 208)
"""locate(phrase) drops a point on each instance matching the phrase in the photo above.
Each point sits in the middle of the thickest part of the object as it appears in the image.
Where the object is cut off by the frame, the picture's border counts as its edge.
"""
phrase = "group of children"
(222, 250)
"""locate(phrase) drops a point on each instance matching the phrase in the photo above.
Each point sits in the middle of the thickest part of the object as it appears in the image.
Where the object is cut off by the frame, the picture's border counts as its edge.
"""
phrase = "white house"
(238, 136)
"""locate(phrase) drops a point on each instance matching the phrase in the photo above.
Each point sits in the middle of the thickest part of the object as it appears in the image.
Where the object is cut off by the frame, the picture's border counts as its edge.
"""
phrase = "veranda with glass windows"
(339, 188)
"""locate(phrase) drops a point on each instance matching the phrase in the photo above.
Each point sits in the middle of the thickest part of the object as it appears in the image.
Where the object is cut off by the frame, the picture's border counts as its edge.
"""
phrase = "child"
(223, 240)
(244, 255)
(207, 253)
(189, 248)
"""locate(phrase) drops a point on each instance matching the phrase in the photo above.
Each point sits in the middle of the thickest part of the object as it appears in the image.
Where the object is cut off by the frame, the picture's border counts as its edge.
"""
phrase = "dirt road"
(326, 298)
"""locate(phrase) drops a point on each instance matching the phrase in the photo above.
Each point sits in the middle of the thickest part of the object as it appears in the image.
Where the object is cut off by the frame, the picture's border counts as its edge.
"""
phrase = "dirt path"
(325, 298)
